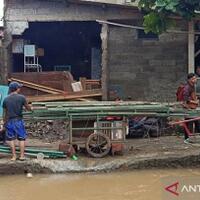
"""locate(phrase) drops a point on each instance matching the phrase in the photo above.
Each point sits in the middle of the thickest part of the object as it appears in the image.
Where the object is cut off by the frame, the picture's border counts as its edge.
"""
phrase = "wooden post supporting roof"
(105, 71)
(191, 47)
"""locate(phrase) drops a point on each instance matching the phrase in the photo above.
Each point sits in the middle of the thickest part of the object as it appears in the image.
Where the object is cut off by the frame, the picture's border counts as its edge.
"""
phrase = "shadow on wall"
(116, 92)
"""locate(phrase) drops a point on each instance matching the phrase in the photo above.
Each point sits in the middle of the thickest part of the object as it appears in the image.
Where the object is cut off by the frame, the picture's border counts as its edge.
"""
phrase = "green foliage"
(153, 23)
(167, 5)
(148, 5)
(156, 23)
(157, 13)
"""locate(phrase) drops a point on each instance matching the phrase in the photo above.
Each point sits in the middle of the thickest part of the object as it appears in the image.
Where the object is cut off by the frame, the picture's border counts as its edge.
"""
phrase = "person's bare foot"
(13, 158)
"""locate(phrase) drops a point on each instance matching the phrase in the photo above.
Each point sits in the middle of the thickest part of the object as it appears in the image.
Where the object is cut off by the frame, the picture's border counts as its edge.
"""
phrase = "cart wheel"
(98, 145)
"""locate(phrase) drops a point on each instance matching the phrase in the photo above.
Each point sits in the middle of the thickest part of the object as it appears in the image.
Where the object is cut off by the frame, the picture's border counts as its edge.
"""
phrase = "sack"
(179, 92)
(190, 105)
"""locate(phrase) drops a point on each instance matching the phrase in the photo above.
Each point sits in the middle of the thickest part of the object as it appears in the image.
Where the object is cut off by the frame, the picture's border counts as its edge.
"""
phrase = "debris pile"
(55, 86)
(47, 130)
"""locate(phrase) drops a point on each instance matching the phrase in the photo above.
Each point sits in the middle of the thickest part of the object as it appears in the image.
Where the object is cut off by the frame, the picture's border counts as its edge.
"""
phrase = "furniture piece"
(62, 68)
(31, 59)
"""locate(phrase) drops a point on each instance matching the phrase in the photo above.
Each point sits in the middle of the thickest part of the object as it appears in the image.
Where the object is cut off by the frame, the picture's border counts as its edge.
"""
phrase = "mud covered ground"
(162, 152)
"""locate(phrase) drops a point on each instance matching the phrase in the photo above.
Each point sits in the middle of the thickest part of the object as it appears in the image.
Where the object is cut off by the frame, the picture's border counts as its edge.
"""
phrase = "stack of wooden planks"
(55, 86)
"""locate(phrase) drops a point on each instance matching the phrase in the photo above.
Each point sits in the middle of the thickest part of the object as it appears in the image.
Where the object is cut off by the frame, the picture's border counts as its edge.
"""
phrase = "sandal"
(22, 158)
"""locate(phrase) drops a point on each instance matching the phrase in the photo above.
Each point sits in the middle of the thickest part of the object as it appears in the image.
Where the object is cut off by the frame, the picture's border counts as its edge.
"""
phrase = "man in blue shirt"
(12, 115)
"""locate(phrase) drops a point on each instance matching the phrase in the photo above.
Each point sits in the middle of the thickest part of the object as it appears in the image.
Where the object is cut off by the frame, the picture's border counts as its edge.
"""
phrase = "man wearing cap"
(13, 106)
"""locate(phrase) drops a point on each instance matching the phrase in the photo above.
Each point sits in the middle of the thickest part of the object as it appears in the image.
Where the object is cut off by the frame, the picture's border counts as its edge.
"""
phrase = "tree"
(158, 13)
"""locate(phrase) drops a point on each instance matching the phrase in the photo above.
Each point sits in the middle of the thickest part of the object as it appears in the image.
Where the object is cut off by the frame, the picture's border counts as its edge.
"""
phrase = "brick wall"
(146, 69)
(34, 10)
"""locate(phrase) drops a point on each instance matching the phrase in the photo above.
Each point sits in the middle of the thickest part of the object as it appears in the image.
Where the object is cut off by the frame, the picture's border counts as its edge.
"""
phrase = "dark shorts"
(15, 129)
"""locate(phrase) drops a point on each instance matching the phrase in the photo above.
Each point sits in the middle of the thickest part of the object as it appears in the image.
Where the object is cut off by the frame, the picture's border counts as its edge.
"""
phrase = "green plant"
(158, 13)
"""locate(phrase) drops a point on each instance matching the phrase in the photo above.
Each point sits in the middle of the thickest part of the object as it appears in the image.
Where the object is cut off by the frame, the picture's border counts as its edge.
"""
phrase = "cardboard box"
(40, 52)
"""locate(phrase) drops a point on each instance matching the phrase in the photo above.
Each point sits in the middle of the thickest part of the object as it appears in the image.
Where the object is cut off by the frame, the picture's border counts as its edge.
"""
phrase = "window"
(147, 36)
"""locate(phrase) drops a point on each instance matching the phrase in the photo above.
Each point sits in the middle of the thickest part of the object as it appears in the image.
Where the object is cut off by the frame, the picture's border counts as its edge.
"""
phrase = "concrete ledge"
(68, 166)
(165, 152)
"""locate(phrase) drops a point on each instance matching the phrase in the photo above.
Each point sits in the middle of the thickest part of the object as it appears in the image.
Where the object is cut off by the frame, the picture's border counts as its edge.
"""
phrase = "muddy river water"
(135, 185)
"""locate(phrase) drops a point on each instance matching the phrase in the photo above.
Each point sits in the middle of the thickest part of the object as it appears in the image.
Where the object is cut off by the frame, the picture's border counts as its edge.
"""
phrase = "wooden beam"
(191, 47)
(69, 96)
(105, 71)
(120, 25)
(39, 87)
(142, 28)
(83, 80)
(197, 53)
(85, 99)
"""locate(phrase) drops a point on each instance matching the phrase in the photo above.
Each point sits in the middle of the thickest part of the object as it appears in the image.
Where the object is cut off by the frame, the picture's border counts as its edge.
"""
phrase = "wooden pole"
(191, 48)
(68, 96)
(105, 71)
(142, 28)
(185, 121)
(39, 87)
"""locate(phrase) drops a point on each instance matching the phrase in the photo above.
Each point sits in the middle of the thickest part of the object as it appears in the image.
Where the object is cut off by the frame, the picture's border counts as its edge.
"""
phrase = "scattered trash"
(40, 156)
(74, 157)
(29, 175)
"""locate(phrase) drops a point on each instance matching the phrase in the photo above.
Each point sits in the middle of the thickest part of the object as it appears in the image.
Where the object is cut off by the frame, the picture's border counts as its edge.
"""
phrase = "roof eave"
(127, 6)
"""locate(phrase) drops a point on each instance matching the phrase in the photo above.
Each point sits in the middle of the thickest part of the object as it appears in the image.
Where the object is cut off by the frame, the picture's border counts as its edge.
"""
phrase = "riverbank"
(164, 152)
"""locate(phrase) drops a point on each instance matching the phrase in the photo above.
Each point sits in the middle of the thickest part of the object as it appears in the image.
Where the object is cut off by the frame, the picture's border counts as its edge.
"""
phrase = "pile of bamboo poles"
(62, 110)
(33, 152)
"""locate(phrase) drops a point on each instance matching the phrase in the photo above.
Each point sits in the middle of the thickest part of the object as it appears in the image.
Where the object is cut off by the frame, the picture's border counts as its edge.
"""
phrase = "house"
(100, 40)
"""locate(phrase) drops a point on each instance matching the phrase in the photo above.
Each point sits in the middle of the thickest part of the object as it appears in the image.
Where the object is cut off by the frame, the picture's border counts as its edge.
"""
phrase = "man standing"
(189, 95)
(190, 101)
(12, 116)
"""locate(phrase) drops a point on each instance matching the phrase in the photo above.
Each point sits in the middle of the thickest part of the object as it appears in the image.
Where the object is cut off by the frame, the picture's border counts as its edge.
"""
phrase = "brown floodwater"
(135, 185)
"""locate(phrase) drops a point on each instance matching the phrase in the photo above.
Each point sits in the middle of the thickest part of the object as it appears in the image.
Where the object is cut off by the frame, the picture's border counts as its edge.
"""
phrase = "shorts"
(15, 129)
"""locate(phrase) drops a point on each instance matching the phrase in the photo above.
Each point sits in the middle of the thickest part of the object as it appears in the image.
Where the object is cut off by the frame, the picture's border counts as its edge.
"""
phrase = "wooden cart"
(103, 123)
(97, 133)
